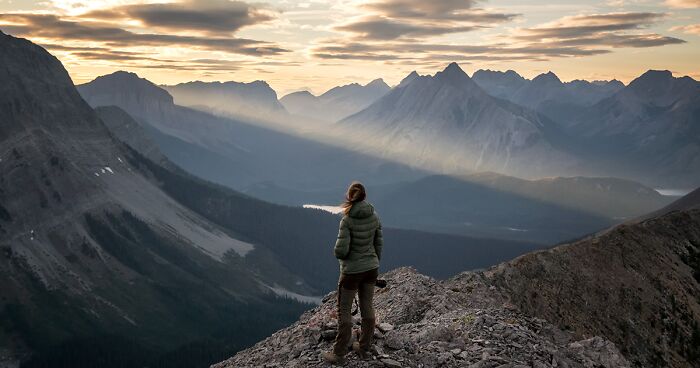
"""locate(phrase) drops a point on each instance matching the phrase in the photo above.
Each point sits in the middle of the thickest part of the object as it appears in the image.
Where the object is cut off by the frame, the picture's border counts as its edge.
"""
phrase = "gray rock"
(385, 327)
(391, 363)
(425, 327)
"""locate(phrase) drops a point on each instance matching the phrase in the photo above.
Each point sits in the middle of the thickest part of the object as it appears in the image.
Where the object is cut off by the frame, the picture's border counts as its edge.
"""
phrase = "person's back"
(359, 244)
(359, 250)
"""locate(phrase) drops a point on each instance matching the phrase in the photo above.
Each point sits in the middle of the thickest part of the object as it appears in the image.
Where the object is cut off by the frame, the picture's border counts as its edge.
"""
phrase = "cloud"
(48, 26)
(443, 52)
(598, 30)
(572, 36)
(444, 10)
(690, 29)
(377, 28)
(584, 25)
(683, 4)
(394, 19)
(209, 16)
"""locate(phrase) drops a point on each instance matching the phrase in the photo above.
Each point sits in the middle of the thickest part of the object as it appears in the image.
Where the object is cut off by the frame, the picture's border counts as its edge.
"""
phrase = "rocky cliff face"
(637, 284)
(625, 297)
(229, 98)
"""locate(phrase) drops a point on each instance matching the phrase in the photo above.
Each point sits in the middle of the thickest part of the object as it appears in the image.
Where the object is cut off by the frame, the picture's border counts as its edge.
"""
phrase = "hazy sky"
(317, 44)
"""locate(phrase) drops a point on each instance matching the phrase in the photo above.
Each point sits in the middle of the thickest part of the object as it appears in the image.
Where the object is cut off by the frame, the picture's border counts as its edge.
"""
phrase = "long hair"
(356, 193)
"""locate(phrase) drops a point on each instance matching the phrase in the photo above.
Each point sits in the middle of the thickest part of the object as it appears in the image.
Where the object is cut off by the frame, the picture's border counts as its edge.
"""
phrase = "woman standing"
(358, 249)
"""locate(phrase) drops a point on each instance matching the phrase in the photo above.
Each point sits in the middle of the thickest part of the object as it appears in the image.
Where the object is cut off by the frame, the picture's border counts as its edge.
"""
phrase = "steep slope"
(93, 252)
(650, 130)
(688, 202)
(254, 99)
(637, 284)
(125, 129)
(336, 103)
(634, 287)
(448, 122)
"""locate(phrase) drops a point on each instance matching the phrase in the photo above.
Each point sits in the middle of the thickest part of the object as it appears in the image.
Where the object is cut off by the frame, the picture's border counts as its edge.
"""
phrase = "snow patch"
(673, 192)
(110, 170)
(332, 209)
(120, 159)
(280, 291)
(96, 174)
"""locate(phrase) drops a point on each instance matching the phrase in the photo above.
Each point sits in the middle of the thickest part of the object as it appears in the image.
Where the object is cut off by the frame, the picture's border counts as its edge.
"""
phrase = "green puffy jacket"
(359, 244)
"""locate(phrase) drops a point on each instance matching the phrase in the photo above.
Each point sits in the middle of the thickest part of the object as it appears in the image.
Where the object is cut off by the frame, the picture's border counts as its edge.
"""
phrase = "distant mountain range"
(236, 152)
(546, 93)
(335, 104)
(551, 128)
(449, 123)
(266, 164)
(648, 130)
(254, 99)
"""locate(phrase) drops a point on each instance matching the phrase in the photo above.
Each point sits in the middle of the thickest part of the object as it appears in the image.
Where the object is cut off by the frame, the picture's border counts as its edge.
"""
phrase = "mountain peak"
(125, 84)
(548, 77)
(453, 69)
(452, 73)
(656, 75)
(651, 79)
(379, 82)
(413, 75)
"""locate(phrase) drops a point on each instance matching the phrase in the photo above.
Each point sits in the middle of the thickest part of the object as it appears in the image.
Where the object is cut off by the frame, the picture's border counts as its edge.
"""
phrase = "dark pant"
(348, 286)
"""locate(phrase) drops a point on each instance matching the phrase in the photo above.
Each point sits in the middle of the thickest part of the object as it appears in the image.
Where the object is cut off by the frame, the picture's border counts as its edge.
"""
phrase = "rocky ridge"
(423, 322)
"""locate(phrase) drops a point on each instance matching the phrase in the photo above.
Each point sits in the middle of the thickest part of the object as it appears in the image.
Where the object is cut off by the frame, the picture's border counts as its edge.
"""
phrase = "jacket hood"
(361, 210)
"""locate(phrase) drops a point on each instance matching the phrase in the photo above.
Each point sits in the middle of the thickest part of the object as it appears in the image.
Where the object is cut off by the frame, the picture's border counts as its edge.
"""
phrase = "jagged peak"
(409, 78)
(513, 73)
(379, 82)
(547, 77)
(454, 70)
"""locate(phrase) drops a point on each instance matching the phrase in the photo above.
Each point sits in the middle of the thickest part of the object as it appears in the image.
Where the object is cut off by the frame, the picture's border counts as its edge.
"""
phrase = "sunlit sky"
(318, 44)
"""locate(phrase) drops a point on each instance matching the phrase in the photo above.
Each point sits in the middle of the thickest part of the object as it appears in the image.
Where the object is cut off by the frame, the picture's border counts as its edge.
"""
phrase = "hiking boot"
(332, 358)
(362, 353)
